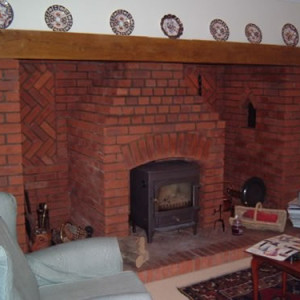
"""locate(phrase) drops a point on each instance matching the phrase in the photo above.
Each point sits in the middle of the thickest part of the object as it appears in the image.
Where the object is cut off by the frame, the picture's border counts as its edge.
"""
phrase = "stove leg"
(133, 227)
(149, 236)
(195, 227)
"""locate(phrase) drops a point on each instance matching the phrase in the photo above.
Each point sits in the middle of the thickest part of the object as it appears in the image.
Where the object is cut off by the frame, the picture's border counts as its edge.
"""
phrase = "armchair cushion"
(5, 275)
(122, 286)
(8, 212)
(77, 260)
(17, 280)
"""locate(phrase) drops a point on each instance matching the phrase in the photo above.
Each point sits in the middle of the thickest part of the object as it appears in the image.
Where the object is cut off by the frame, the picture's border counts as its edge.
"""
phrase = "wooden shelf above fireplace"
(25, 44)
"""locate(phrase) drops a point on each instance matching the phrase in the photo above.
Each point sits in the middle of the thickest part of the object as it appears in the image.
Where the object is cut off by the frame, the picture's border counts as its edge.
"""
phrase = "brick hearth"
(72, 130)
(177, 253)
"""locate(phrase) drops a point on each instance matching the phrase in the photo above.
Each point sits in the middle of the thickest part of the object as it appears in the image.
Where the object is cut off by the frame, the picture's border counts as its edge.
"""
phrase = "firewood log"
(133, 244)
(133, 250)
(137, 259)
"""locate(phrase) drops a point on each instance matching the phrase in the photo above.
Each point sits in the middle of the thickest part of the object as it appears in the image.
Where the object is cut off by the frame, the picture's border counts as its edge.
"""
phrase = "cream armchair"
(87, 269)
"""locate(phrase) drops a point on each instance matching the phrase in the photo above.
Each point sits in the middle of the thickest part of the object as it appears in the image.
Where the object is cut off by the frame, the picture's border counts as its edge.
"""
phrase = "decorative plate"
(58, 18)
(219, 30)
(290, 35)
(121, 22)
(6, 14)
(253, 33)
(171, 26)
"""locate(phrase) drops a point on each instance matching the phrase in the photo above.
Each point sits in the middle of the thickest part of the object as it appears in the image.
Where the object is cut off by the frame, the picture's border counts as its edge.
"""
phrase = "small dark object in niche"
(251, 116)
(199, 85)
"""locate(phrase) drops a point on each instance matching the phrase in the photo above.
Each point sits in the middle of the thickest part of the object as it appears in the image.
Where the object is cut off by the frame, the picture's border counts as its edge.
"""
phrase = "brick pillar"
(11, 170)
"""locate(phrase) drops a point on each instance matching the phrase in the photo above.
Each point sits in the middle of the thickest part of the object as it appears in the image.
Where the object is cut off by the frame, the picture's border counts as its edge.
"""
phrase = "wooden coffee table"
(287, 267)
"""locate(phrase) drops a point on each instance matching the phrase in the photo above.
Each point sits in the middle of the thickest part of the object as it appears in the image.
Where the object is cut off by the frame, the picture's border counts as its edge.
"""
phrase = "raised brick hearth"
(71, 131)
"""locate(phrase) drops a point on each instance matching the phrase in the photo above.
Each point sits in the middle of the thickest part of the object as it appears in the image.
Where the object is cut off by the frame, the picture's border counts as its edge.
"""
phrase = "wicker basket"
(279, 225)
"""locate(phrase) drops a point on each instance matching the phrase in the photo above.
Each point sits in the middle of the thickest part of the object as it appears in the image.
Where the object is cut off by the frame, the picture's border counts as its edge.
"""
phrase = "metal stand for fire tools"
(220, 220)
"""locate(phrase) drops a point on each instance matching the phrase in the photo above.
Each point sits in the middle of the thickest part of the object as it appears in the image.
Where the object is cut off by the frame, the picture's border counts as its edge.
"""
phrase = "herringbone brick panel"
(38, 115)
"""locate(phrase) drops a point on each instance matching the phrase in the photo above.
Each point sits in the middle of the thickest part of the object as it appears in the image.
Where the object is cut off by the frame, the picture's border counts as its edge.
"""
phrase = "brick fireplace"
(91, 123)
(72, 131)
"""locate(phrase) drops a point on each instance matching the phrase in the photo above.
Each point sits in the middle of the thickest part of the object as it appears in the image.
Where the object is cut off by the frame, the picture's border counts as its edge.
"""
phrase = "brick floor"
(178, 252)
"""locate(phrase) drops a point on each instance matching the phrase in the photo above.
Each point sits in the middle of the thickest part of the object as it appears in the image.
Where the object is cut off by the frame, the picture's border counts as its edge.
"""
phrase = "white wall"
(92, 16)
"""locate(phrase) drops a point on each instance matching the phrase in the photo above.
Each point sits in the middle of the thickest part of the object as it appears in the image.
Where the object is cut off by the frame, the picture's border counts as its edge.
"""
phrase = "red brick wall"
(271, 150)
(86, 124)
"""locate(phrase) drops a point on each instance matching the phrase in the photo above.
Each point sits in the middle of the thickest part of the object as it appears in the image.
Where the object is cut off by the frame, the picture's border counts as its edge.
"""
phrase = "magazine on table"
(279, 247)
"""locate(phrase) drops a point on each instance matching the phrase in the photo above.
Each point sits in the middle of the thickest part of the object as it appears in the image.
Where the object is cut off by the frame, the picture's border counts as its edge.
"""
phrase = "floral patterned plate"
(171, 26)
(121, 22)
(290, 35)
(58, 18)
(219, 30)
(253, 33)
(6, 14)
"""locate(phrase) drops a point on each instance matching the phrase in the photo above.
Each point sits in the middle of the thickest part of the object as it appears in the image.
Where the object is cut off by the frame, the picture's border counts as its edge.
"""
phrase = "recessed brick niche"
(71, 131)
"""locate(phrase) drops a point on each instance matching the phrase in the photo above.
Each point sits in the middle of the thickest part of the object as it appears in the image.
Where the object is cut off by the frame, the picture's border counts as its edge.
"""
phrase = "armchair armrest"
(77, 260)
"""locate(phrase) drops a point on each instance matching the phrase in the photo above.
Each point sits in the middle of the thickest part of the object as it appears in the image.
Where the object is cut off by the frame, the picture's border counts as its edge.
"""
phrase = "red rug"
(238, 286)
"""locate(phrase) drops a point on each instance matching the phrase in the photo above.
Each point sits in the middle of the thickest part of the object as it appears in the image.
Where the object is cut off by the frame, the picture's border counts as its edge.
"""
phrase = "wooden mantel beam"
(26, 44)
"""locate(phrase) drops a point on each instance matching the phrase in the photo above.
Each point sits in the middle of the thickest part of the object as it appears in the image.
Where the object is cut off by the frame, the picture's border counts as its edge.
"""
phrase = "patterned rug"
(238, 286)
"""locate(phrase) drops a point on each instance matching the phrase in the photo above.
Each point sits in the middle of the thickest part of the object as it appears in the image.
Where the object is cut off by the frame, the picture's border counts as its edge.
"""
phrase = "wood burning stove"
(164, 196)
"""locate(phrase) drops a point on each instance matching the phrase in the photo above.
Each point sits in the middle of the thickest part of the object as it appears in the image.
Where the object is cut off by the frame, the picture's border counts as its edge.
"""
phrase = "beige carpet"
(167, 288)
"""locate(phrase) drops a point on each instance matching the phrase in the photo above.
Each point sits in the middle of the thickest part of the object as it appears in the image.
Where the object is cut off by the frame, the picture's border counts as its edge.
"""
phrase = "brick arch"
(166, 145)
(189, 145)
